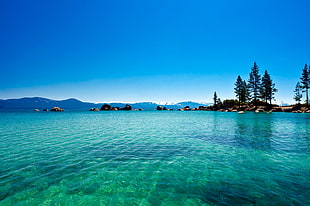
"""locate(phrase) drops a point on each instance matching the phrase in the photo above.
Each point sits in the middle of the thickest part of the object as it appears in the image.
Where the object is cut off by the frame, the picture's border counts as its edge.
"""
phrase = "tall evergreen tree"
(238, 89)
(242, 91)
(305, 81)
(298, 93)
(215, 100)
(267, 88)
(245, 92)
(254, 82)
(219, 101)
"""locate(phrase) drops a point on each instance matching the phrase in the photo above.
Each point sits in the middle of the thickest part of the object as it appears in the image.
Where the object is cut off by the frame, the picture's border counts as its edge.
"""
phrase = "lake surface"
(154, 158)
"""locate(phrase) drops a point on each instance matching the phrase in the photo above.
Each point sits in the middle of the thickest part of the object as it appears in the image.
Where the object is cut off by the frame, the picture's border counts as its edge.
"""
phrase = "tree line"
(256, 89)
(303, 85)
(260, 89)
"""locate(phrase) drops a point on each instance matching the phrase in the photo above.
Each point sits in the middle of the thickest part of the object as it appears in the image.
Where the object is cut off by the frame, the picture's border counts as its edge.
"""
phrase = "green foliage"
(305, 81)
(215, 100)
(245, 93)
(259, 103)
(256, 89)
(242, 90)
(254, 82)
(219, 102)
(298, 93)
(230, 102)
(267, 88)
(238, 88)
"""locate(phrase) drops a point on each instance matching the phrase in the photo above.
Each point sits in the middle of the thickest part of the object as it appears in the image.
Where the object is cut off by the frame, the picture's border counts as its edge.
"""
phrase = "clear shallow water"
(154, 158)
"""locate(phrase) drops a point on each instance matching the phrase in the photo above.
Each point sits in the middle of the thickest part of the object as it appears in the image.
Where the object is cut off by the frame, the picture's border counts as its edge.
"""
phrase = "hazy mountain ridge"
(45, 103)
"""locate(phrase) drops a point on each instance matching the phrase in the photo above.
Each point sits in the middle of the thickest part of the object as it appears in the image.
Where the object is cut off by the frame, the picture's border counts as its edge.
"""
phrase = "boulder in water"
(106, 107)
(57, 109)
(127, 107)
(159, 108)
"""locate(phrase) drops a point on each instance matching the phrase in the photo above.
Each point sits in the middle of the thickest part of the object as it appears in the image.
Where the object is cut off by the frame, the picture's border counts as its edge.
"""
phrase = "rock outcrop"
(159, 108)
(57, 109)
(127, 107)
(186, 108)
(106, 107)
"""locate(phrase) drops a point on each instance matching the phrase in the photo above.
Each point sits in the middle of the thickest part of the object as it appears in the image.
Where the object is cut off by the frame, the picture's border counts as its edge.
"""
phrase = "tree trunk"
(307, 101)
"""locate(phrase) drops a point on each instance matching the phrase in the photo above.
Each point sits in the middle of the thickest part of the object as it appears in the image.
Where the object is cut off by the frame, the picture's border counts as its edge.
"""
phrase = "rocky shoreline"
(241, 109)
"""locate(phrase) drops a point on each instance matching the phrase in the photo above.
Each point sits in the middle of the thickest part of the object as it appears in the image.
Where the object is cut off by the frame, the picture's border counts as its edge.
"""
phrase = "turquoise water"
(154, 158)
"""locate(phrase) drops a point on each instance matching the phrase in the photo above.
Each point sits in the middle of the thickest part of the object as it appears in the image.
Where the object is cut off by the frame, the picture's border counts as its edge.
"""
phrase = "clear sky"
(161, 51)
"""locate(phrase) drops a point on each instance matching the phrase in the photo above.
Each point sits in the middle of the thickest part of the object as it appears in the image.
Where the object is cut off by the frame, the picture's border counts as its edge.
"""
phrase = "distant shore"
(43, 104)
(241, 109)
(268, 108)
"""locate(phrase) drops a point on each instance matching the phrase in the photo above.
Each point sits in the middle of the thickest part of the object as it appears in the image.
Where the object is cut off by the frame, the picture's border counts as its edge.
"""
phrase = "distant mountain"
(191, 104)
(145, 105)
(44, 103)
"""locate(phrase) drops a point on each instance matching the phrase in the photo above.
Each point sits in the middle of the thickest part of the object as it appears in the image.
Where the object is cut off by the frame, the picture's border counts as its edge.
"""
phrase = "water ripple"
(154, 158)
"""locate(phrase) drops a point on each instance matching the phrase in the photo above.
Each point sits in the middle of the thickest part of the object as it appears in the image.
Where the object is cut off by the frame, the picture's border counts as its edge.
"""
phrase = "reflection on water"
(254, 131)
(263, 131)
(249, 130)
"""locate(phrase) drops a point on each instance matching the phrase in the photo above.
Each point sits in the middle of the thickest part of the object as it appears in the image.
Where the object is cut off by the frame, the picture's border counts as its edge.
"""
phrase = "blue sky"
(161, 51)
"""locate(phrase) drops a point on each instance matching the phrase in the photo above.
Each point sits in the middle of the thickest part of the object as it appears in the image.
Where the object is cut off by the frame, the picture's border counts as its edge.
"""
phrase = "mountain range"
(44, 103)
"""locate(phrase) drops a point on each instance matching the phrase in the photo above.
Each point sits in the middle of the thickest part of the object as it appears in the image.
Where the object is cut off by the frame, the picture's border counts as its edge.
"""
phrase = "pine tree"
(267, 88)
(219, 101)
(254, 82)
(215, 98)
(305, 81)
(238, 89)
(245, 92)
(298, 93)
(242, 91)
